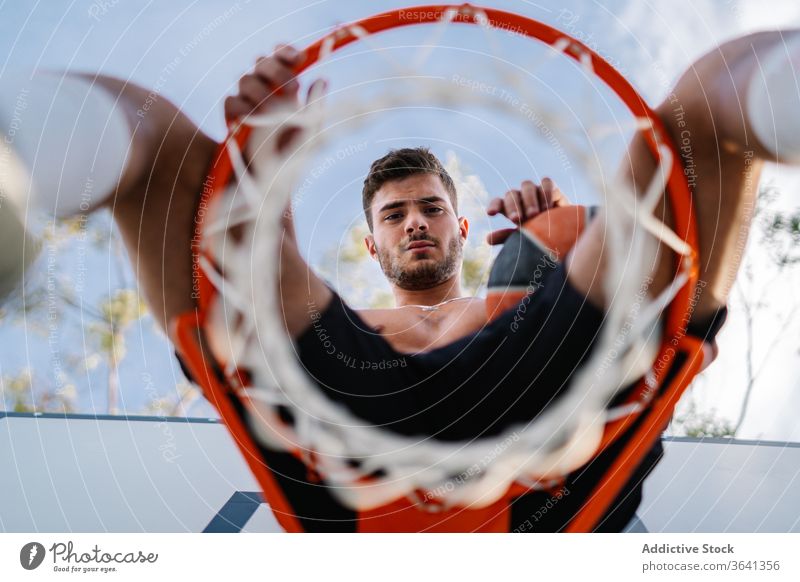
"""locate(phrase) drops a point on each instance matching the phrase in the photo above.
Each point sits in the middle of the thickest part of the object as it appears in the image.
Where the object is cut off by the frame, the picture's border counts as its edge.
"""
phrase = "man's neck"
(445, 291)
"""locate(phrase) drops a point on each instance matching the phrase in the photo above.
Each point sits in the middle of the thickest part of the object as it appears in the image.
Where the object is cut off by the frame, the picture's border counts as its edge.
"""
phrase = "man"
(416, 235)
(428, 275)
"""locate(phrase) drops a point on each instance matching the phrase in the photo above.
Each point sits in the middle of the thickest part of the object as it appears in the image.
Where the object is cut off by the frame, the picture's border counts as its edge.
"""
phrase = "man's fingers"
(272, 78)
(527, 202)
(277, 76)
(498, 237)
(530, 199)
(555, 197)
(495, 206)
(287, 54)
(253, 90)
(512, 202)
(546, 193)
(236, 107)
(316, 90)
(544, 199)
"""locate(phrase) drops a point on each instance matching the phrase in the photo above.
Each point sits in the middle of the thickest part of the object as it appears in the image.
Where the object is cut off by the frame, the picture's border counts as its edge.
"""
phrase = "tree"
(18, 395)
(778, 234)
(118, 312)
(692, 422)
(768, 265)
(51, 299)
(179, 404)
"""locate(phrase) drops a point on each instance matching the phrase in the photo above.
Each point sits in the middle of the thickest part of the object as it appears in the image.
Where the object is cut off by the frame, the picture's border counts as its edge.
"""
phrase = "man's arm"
(302, 292)
(272, 84)
(717, 125)
(155, 202)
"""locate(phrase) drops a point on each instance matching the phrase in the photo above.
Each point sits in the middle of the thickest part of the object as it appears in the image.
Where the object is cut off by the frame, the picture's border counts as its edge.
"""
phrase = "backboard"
(81, 473)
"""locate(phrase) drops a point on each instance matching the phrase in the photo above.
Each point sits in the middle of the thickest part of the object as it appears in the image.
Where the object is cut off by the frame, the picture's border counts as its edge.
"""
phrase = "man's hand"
(272, 82)
(523, 204)
(272, 85)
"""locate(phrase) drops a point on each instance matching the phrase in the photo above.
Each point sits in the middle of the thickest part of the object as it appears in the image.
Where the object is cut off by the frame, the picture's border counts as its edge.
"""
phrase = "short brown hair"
(399, 164)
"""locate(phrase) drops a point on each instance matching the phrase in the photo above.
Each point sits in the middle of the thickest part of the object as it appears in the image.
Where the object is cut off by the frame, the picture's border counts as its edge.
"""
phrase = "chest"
(412, 329)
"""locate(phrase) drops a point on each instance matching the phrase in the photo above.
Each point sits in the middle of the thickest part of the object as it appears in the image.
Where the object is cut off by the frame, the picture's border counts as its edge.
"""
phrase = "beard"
(421, 274)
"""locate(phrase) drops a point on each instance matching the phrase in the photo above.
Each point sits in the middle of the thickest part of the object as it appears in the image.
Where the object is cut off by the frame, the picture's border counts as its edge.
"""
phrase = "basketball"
(19, 246)
(529, 253)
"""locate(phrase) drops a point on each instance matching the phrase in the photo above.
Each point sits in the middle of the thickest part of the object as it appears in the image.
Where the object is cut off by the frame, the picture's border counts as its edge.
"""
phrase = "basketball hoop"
(241, 302)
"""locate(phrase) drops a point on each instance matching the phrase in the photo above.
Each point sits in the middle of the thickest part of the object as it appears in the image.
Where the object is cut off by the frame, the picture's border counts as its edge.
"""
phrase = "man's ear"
(463, 227)
(369, 240)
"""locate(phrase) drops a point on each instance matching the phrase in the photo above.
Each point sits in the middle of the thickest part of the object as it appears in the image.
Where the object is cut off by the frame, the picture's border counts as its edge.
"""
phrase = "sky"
(193, 53)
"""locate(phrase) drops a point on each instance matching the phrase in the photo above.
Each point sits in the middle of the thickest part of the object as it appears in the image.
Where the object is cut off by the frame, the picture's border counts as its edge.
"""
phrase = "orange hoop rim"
(656, 137)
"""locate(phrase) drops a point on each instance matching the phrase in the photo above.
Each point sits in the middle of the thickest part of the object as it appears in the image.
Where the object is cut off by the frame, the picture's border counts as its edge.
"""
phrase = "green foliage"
(176, 404)
(780, 230)
(17, 392)
(50, 300)
(778, 233)
(693, 423)
(119, 311)
(475, 268)
(18, 395)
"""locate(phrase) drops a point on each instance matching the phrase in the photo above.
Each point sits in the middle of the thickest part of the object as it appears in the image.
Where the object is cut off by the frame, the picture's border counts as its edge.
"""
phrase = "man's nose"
(416, 222)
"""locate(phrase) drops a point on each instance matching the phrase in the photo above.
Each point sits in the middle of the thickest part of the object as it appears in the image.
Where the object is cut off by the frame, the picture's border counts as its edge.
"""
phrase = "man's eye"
(391, 216)
(434, 210)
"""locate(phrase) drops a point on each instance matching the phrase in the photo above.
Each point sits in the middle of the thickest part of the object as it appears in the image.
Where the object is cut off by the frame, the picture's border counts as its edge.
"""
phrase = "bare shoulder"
(475, 312)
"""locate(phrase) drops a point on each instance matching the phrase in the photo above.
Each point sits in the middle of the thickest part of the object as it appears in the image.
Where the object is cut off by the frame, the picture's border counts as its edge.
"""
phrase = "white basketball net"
(247, 315)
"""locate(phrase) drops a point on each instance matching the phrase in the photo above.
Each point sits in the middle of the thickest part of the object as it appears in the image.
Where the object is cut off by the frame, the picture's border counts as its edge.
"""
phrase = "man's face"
(416, 235)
